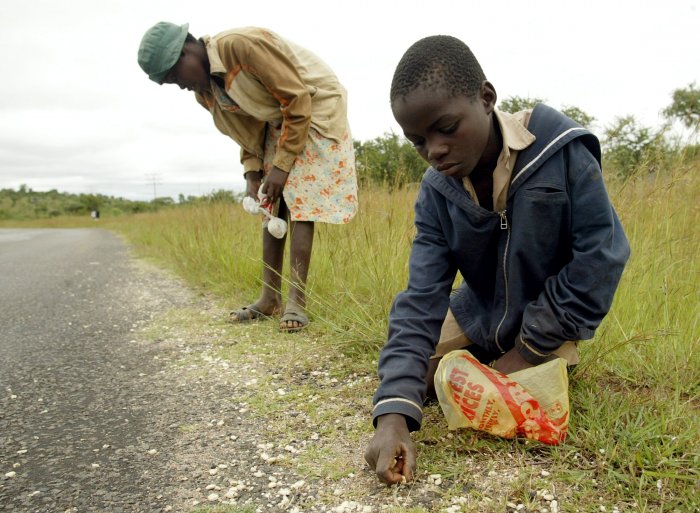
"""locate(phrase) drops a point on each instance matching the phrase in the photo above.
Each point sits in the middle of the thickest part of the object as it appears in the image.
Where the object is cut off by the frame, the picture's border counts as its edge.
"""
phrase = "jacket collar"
(515, 135)
(216, 66)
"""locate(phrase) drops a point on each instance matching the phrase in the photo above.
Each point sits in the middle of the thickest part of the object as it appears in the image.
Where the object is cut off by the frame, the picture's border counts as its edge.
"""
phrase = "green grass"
(635, 423)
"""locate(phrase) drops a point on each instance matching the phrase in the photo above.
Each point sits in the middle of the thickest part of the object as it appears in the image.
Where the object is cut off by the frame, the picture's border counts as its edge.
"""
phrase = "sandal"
(247, 314)
(293, 313)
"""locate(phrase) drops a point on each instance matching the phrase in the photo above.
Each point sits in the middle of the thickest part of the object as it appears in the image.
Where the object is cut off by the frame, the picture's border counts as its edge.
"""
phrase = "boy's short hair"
(438, 62)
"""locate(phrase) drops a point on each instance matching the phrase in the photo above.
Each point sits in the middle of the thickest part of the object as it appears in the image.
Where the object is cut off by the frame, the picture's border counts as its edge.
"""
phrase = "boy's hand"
(274, 184)
(253, 180)
(511, 361)
(391, 453)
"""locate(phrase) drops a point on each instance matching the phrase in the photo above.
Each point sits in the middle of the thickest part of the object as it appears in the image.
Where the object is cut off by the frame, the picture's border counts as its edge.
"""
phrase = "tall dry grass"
(358, 268)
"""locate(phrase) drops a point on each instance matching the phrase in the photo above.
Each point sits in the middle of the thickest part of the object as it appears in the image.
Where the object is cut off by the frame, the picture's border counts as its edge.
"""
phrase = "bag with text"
(533, 402)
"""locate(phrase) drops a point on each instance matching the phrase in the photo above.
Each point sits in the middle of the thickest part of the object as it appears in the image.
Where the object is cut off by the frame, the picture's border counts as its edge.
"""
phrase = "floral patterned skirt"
(322, 185)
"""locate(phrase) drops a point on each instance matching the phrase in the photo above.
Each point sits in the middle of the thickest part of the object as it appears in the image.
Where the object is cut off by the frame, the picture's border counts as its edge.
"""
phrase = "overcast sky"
(77, 114)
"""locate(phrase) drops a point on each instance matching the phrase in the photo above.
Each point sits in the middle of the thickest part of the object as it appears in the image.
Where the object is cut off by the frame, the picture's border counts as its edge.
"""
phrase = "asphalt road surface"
(84, 425)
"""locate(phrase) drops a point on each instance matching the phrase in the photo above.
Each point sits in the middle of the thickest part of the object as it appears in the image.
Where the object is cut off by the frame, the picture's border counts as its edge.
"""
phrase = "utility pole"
(153, 178)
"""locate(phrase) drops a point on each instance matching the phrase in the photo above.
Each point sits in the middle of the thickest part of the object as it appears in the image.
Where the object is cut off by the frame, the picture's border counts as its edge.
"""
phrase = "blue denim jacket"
(539, 273)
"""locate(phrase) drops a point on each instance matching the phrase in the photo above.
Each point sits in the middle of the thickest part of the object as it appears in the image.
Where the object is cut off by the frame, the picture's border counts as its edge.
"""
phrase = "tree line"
(25, 203)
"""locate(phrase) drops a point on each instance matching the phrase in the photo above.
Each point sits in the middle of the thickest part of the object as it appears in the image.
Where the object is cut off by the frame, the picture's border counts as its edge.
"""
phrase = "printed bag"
(533, 402)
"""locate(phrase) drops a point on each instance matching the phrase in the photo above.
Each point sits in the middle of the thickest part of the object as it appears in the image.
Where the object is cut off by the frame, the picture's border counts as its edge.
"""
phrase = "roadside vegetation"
(633, 443)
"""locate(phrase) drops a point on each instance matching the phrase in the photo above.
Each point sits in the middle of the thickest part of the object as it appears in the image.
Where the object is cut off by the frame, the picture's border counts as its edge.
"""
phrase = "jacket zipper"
(504, 226)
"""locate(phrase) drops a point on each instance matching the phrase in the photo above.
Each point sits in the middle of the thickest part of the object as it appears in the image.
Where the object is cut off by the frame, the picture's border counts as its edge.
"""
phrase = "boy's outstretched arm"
(391, 453)
(415, 320)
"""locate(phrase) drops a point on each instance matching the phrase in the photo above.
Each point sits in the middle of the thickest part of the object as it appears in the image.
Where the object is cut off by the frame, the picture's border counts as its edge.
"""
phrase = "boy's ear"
(488, 95)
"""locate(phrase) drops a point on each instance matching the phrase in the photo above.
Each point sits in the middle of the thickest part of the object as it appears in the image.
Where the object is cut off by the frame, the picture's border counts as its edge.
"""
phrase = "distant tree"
(389, 159)
(90, 201)
(581, 117)
(515, 104)
(627, 145)
(221, 196)
(685, 107)
(163, 201)
(74, 208)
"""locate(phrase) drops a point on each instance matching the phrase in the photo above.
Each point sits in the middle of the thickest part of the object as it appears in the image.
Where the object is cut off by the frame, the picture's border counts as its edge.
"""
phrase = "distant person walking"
(287, 111)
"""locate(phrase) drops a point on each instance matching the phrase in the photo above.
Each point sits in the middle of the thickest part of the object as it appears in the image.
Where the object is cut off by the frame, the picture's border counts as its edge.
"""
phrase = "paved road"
(76, 421)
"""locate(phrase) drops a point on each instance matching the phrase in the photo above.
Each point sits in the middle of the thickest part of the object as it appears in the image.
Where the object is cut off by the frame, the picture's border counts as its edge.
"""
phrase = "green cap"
(160, 49)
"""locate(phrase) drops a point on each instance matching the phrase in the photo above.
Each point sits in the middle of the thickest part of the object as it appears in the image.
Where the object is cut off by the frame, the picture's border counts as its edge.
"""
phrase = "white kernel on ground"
(435, 479)
(213, 497)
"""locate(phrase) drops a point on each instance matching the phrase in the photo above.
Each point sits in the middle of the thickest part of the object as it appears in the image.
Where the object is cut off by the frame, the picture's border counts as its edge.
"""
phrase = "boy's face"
(189, 71)
(452, 133)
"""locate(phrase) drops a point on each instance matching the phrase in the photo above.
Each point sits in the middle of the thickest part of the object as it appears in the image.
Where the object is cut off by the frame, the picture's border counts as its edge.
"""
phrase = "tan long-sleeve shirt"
(268, 79)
